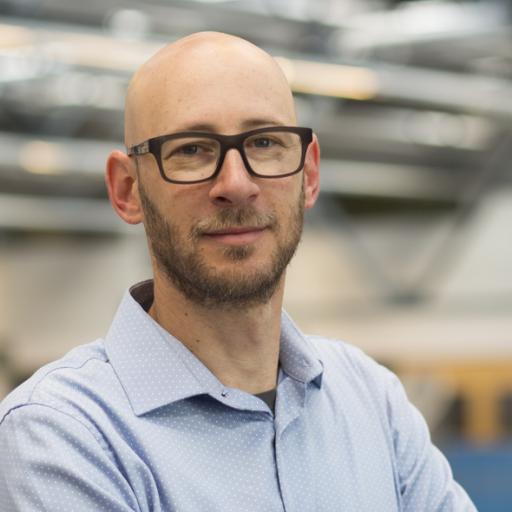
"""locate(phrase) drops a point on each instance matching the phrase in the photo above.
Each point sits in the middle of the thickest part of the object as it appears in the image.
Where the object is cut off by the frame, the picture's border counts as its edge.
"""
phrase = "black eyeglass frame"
(227, 142)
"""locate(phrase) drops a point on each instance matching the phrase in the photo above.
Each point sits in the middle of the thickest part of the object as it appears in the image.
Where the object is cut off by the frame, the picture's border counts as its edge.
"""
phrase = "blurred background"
(406, 254)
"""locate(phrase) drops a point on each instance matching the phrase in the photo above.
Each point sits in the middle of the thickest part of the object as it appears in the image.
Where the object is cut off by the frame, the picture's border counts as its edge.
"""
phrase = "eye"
(189, 149)
(194, 149)
(263, 142)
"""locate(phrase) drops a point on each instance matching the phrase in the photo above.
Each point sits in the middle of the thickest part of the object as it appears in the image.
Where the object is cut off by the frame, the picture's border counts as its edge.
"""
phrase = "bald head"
(207, 80)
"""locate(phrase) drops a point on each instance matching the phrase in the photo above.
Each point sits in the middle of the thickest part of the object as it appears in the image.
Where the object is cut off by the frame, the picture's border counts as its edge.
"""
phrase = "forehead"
(228, 89)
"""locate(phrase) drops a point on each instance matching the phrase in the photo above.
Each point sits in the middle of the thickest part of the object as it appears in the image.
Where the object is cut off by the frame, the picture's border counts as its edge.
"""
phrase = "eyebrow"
(245, 125)
(257, 123)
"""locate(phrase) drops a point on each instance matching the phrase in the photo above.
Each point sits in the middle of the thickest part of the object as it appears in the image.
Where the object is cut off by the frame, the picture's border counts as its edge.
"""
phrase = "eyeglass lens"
(196, 158)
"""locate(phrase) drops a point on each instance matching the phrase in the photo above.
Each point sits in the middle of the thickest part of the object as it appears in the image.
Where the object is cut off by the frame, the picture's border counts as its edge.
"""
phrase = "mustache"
(235, 218)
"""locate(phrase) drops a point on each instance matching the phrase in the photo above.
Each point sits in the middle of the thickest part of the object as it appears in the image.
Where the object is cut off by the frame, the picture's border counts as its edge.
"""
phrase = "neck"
(240, 346)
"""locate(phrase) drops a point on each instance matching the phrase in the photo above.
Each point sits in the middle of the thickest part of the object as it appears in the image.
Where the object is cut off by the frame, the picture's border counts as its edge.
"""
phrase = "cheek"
(293, 194)
(183, 206)
(284, 191)
(286, 209)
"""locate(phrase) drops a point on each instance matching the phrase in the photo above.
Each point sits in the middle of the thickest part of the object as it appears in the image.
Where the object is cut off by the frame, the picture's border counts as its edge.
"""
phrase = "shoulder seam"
(64, 413)
(53, 370)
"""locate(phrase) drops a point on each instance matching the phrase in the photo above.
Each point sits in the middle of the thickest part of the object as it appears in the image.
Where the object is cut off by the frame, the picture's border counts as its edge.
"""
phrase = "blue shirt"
(135, 422)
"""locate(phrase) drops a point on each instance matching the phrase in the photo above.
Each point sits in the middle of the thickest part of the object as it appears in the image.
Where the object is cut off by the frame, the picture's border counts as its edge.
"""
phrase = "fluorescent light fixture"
(40, 157)
(326, 79)
(12, 36)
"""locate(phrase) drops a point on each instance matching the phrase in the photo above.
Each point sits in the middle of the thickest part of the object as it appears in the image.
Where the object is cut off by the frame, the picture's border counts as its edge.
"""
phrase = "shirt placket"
(289, 406)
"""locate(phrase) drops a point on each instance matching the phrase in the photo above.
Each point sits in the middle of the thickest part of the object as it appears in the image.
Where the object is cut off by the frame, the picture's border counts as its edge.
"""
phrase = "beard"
(182, 262)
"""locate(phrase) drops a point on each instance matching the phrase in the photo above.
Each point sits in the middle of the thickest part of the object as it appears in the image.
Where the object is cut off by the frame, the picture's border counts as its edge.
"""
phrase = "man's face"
(224, 242)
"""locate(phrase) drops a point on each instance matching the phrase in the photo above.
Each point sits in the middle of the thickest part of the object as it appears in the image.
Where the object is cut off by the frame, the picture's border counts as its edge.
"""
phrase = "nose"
(233, 186)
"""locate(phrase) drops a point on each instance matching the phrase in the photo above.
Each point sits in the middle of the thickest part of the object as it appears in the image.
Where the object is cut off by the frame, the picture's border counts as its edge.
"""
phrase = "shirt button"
(224, 392)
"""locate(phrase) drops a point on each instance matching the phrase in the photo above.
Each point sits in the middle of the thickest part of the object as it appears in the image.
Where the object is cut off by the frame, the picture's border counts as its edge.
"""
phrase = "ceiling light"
(325, 79)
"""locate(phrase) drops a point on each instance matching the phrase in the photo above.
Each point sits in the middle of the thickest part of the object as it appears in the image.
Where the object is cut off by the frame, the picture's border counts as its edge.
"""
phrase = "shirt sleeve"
(425, 477)
(51, 462)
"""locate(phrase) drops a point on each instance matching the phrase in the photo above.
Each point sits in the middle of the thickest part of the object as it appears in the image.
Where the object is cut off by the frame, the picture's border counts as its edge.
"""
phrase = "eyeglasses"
(194, 157)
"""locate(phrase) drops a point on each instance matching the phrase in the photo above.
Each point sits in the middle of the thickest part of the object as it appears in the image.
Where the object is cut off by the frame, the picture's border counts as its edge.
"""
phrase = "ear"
(121, 180)
(312, 173)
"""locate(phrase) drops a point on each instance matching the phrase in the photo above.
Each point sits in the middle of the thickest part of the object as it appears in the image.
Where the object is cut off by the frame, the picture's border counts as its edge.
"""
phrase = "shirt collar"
(297, 356)
(156, 369)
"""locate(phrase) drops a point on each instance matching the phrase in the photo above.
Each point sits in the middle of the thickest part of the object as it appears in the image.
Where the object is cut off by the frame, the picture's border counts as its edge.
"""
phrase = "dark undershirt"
(144, 296)
(269, 397)
(146, 301)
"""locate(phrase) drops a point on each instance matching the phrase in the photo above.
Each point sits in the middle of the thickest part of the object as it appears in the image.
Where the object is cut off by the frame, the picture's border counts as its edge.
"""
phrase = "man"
(204, 396)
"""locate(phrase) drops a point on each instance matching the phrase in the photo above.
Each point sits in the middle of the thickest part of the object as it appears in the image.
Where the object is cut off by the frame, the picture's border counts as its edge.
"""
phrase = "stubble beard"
(181, 261)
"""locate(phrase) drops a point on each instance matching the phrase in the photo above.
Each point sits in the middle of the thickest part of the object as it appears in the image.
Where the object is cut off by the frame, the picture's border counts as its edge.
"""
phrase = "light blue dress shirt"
(135, 422)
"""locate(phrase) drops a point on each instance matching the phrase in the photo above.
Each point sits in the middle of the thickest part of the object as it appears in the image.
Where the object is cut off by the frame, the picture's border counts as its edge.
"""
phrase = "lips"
(236, 235)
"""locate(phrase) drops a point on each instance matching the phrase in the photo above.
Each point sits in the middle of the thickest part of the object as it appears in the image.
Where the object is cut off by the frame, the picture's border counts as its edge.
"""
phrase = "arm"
(425, 477)
(51, 462)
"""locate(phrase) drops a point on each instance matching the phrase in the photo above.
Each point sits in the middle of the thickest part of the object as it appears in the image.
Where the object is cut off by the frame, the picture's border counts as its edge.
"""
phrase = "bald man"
(204, 395)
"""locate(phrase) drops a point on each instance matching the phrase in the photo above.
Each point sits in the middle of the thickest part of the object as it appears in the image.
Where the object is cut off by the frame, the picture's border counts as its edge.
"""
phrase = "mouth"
(236, 236)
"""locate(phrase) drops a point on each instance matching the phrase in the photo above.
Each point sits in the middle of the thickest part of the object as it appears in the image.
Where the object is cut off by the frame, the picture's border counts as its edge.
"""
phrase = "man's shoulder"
(339, 356)
(81, 371)
(338, 349)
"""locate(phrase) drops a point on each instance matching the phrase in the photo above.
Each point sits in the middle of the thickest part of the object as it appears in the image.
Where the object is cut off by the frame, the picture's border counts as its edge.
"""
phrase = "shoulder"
(352, 374)
(337, 354)
(57, 427)
(67, 384)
